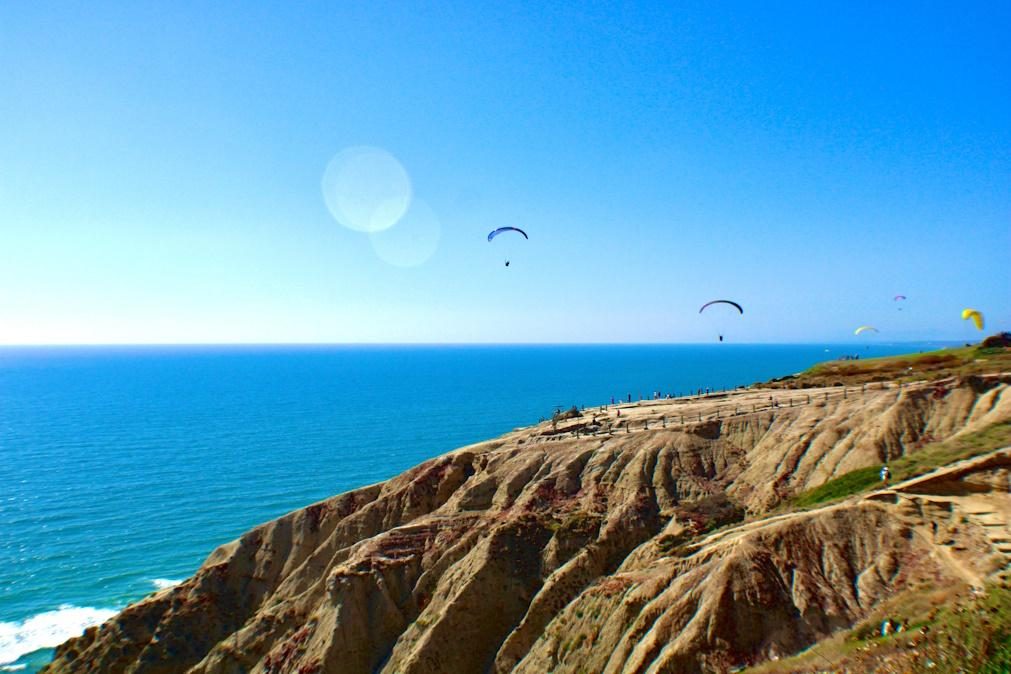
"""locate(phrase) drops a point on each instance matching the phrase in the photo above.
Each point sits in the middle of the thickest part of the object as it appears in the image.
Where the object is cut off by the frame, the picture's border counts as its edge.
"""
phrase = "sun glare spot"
(366, 189)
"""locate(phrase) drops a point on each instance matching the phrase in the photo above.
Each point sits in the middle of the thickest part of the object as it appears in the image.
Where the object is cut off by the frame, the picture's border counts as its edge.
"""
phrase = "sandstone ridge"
(660, 540)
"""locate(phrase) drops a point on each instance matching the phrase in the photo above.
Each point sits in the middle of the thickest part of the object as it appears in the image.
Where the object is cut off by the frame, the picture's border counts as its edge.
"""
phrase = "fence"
(800, 398)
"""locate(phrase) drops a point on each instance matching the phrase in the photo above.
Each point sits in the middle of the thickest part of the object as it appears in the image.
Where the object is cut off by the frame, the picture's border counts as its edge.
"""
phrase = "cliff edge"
(671, 538)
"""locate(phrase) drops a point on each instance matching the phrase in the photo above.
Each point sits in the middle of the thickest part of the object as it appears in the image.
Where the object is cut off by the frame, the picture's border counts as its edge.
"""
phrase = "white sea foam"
(47, 630)
(162, 583)
(12, 668)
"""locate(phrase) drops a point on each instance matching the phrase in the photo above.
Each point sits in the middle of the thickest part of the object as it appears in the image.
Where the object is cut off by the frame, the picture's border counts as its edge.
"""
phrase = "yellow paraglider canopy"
(976, 317)
(864, 328)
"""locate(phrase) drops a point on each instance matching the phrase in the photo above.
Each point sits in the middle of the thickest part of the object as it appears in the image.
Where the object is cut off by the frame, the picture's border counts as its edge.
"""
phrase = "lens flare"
(366, 189)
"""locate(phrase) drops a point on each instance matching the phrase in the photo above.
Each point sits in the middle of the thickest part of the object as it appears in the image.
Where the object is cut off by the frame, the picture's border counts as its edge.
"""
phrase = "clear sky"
(161, 168)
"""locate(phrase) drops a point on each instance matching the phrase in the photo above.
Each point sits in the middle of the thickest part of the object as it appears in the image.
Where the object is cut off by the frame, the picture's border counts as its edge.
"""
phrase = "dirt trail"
(970, 494)
(688, 411)
(947, 494)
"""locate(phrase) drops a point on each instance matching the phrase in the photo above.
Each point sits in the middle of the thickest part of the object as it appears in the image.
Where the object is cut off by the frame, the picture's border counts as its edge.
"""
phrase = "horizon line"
(401, 344)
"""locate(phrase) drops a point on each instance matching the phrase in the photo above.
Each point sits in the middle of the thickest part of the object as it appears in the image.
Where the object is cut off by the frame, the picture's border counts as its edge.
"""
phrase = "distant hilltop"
(706, 533)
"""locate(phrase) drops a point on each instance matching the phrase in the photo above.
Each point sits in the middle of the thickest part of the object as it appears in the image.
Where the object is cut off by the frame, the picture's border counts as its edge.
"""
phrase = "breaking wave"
(47, 630)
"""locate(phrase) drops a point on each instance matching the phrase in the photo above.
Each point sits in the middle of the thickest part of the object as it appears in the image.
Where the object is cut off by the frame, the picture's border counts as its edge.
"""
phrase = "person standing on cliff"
(886, 475)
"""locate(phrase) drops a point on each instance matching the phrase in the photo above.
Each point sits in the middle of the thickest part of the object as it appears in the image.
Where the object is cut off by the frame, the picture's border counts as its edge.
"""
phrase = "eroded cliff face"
(580, 547)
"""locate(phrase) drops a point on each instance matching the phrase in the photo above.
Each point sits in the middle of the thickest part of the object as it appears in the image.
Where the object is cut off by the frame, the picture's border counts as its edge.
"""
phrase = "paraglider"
(502, 230)
(865, 328)
(737, 306)
(977, 317)
(899, 298)
(733, 304)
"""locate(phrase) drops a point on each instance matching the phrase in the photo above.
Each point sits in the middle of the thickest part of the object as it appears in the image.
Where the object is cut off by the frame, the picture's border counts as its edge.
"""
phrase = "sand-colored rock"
(576, 547)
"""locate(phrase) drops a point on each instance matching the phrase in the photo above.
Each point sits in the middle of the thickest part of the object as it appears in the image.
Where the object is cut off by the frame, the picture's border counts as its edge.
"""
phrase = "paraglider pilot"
(500, 230)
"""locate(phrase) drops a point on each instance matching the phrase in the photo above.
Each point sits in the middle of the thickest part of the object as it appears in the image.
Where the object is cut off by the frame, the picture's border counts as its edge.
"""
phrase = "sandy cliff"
(589, 546)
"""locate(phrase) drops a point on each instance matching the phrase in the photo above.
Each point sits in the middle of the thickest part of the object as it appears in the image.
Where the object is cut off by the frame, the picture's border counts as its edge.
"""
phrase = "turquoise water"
(122, 468)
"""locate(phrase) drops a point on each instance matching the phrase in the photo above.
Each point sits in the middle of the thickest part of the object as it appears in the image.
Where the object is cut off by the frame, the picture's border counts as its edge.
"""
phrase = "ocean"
(122, 468)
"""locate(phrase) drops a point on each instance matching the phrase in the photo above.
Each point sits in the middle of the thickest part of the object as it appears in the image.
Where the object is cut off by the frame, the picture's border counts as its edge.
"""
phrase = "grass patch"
(939, 454)
(851, 483)
(919, 462)
(940, 364)
(943, 633)
(971, 637)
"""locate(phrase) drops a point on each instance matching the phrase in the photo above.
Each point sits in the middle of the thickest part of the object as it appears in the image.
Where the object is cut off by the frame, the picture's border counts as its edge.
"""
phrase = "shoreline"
(661, 497)
(648, 411)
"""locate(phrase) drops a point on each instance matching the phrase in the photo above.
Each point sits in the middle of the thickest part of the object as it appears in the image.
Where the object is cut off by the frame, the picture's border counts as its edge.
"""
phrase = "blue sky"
(161, 167)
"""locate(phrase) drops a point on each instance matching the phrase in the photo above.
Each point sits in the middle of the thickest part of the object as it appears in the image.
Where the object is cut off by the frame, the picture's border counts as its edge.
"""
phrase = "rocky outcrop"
(581, 545)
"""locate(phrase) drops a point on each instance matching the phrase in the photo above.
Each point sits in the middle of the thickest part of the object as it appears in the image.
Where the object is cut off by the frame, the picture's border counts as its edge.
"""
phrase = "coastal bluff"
(672, 538)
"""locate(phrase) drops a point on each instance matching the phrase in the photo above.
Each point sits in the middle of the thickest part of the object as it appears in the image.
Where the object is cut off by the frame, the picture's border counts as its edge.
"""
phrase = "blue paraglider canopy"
(500, 230)
(733, 304)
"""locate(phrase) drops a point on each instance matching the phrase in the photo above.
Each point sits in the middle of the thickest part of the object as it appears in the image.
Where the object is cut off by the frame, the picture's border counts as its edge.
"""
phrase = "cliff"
(666, 539)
